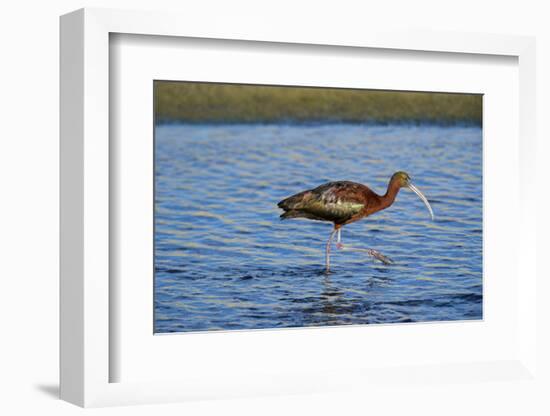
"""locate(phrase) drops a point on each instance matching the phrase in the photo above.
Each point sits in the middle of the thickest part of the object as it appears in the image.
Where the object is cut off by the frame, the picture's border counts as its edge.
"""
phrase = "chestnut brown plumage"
(344, 202)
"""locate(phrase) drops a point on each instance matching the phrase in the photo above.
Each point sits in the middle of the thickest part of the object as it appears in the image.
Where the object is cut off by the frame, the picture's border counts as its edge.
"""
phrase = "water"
(225, 261)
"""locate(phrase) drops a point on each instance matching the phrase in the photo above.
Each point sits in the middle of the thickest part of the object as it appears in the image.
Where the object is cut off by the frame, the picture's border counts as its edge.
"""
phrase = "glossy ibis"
(344, 202)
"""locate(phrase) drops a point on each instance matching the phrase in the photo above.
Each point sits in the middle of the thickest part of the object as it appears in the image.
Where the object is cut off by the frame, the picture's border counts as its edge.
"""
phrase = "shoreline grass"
(198, 103)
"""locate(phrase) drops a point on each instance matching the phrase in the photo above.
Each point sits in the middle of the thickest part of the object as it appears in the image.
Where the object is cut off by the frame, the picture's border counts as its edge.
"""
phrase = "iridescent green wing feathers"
(334, 201)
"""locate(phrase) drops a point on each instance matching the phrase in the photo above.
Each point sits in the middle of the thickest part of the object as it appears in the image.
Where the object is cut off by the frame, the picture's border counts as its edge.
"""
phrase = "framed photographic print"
(224, 259)
(268, 214)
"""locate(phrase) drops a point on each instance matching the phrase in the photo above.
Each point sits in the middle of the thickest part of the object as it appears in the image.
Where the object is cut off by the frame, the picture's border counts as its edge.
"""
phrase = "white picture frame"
(86, 304)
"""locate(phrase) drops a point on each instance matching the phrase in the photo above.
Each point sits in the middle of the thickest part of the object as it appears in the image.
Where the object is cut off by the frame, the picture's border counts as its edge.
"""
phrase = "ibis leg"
(339, 244)
(371, 252)
(327, 250)
(377, 255)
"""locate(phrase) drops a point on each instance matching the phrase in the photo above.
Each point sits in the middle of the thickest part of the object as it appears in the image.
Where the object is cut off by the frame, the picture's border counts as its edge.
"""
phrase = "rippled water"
(224, 260)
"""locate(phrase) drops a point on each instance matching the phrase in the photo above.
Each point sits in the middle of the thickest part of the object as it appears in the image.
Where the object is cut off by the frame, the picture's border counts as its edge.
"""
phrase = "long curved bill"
(422, 197)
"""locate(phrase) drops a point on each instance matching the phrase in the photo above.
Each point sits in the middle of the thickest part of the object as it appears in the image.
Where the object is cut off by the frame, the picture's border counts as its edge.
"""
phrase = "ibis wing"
(333, 201)
(339, 211)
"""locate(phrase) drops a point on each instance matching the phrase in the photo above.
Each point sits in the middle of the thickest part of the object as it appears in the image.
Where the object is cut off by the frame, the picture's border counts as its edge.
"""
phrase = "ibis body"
(344, 202)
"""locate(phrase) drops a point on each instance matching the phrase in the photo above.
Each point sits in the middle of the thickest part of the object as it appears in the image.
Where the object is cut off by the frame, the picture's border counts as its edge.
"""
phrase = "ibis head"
(403, 180)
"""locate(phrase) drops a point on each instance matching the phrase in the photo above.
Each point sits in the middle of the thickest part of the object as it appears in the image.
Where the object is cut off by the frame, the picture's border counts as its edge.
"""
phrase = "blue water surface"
(224, 260)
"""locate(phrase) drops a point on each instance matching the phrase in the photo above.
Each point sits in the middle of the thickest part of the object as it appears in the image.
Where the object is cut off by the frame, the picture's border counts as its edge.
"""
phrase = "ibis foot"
(379, 256)
(371, 252)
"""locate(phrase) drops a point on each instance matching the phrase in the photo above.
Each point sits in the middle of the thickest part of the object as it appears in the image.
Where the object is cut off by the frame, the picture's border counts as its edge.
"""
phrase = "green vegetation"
(192, 102)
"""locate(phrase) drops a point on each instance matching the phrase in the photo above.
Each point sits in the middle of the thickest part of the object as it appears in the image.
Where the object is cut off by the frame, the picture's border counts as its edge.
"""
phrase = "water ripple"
(224, 260)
